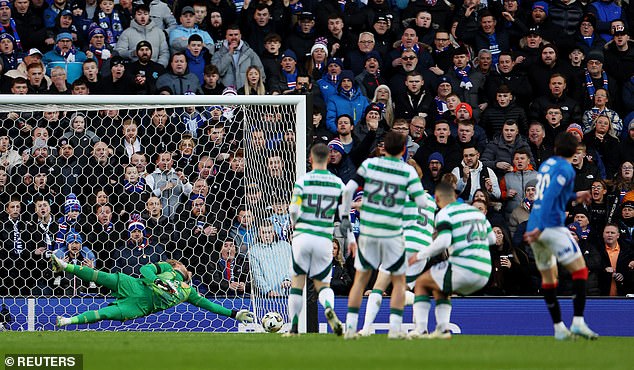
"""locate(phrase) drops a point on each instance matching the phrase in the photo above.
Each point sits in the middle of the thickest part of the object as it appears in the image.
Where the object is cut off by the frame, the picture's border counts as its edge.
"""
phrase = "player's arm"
(202, 302)
(151, 271)
(296, 203)
(439, 245)
(418, 194)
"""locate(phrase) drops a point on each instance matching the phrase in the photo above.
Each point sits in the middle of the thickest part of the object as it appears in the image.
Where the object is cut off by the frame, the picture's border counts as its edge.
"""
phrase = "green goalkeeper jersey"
(182, 292)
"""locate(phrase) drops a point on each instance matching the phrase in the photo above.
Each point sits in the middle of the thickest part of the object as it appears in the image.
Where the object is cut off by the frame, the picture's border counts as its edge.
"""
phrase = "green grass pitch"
(147, 350)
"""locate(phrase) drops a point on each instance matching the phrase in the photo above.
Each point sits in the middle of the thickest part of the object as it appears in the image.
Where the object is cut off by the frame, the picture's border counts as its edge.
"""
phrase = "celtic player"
(163, 285)
(386, 182)
(312, 211)
(466, 233)
(418, 227)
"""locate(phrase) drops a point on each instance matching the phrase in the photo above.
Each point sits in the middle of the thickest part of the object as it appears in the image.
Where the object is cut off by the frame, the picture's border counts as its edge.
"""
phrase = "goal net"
(116, 182)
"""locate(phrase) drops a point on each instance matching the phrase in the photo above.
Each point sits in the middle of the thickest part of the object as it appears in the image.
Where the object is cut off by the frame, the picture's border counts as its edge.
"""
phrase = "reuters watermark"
(44, 361)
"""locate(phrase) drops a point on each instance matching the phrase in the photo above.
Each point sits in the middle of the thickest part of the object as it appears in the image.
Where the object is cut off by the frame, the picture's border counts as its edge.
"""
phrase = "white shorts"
(555, 244)
(414, 271)
(312, 256)
(390, 252)
(454, 279)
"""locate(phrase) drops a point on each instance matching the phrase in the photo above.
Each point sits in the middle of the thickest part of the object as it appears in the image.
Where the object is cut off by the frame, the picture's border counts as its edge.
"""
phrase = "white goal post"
(281, 120)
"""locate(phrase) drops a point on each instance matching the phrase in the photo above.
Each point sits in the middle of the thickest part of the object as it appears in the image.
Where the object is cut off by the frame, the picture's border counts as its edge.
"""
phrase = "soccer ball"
(272, 322)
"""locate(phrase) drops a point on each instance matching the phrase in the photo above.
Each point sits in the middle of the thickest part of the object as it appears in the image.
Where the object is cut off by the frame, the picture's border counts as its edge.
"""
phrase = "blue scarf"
(11, 61)
(348, 94)
(291, 79)
(463, 75)
(139, 187)
(590, 85)
(70, 52)
(342, 5)
(494, 48)
(441, 107)
(415, 48)
(112, 25)
(296, 8)
(15, 34)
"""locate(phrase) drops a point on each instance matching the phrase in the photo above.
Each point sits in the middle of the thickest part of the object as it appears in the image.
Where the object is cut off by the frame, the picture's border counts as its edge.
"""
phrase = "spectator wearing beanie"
(330, 80)
(348, 100)
(143, 28)
(144, 70)
(340, 163)
(65, 55)
(137, 250)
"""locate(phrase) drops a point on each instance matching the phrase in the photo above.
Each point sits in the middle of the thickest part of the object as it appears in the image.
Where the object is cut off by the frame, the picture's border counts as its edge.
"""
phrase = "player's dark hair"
(566, 145)
(394, 142)
(445, 190)
(320, 152)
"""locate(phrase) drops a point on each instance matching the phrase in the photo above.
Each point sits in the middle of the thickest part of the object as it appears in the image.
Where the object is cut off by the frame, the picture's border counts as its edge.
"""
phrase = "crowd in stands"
(481, 87)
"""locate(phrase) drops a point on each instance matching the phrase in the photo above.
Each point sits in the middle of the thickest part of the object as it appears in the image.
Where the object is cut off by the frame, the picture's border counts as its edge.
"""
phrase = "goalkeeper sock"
(422, 305)
(396, 320)
(87, 274)
(409, 297)
(326, 297)
(443, 314)
(372, 308)
(295, 303)
(352, 318)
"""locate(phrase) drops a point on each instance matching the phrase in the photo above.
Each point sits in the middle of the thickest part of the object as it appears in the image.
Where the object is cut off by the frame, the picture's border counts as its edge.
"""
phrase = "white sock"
(578, 320)
(443, 315)
(372, 308)
(326, 298)
(421, 315)
(295, 303)
(351, 321)
(560, 326)
(409, 297)
(396, 322)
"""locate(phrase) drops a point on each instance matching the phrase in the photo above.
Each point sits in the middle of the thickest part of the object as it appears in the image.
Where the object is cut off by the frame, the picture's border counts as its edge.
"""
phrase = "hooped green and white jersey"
(317, 195)
(469, 230)
(388, 183)
(418, 225)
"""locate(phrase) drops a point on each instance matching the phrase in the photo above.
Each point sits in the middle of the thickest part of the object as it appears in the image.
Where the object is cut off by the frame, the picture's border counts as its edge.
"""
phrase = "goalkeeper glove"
(345, 226)
(244, 316)
(164, 285)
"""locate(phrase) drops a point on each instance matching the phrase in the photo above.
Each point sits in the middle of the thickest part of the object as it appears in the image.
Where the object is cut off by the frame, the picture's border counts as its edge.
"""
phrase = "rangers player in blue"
(552, 242)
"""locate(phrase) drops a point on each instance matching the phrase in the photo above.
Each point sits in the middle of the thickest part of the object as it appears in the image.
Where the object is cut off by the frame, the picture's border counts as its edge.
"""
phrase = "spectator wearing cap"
(303, 36)
(372, 124)
(370, 78)
(588, 38)
(355, 57)
(619, 54)
(66, 55)
(50, 13)
(502, 110)
(465, 80)
(64, 22)
(626, 223)
(414, 100)
(604, 12)
(33, 56)
(348, 100)
(179, 35)
(7, 24)
(118, 82)
(143, 28)
(340, 163)
(316, 66)
(99, 50)
(137, 250)
(330, 80)
(257, 20)
(433, 171)
(286, 80)
(506, 73)
(29, 26)
(409, 41)
(233, 57)
(483, 34)
(144, 70)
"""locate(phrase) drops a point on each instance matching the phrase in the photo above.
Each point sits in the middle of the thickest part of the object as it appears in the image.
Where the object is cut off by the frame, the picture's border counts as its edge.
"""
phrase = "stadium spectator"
(243, 230)
(75, 252)
(137, 250)
(341, 281)
(441, 142)
(143, 29)
(228, 272)
(414, 100)
(602, 138)
(348, 100)
(616, 256)
(99, 50)
(586, 171)
(178, 79)
(473, 175)
(520, 214)
(167, 183)
(159, 227)
(110, 20)
(302, 36)
(233, 57)
(212, 84)
(502, 110)
(65, 55)
(104, 234)
(499, 152)
(514, 182)
(270, 275)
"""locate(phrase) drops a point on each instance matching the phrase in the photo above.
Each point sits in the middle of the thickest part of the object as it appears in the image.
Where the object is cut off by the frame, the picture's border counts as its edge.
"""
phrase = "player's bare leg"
(355, 296)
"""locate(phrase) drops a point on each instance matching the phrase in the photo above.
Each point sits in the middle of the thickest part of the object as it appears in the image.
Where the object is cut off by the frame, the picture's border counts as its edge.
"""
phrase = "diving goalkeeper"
(163, 285)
